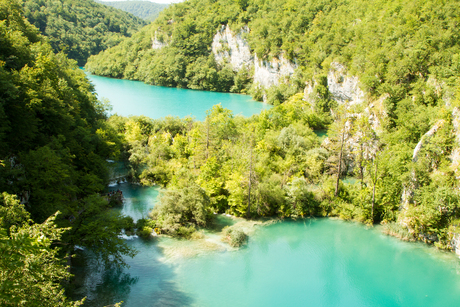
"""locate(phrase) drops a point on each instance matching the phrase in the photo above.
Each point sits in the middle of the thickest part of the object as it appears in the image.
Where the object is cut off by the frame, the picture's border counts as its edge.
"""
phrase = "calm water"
(313, 262)
(137, 98)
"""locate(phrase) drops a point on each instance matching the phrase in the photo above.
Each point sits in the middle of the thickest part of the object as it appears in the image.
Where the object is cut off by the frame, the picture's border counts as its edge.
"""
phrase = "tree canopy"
(143, 9)
(80, 28)
(393, 46)
(54, 142)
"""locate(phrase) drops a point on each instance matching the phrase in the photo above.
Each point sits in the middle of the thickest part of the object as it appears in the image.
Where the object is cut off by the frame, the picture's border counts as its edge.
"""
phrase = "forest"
(80, 28)
(391, 159)
(146, 10)
(54, 142)
(393, 47)
(400, 143)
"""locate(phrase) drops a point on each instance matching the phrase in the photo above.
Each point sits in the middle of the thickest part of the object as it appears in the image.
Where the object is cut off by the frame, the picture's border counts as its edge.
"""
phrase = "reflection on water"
(315, 262)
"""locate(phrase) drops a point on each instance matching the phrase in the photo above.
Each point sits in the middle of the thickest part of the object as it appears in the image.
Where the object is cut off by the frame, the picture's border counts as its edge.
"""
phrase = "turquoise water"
(137, 98)
(312, 262)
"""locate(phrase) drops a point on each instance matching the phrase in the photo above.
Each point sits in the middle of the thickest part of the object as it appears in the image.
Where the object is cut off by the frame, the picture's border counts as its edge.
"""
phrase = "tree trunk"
(340, 164)
(207, 139)
(250, 182)
(374, 181)
(361, 167)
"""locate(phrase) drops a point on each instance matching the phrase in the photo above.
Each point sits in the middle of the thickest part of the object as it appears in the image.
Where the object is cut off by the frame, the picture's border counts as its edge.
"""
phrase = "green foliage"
(142, 9)
(145, 228)
(30, 269)
(179, 210)
(54, 139)
(394, 47)
(80, 28)
(234, 237)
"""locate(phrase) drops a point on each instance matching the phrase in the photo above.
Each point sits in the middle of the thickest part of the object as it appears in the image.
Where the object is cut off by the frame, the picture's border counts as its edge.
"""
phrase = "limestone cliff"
(268, 73)
(232, 48)
(156, 43)
(343, 88)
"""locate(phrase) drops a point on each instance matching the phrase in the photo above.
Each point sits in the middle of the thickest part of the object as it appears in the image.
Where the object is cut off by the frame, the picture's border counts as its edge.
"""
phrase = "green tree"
(31, 271)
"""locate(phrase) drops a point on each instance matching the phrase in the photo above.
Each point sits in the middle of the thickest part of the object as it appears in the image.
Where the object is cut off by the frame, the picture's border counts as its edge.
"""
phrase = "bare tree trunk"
(340, 164)
(207, 139)
(374, 181)
(250, 181)
(361, 167)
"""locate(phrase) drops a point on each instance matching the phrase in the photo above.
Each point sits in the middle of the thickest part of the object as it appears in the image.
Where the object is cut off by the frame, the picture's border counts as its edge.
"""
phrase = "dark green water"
(313, 262)
(137, 98)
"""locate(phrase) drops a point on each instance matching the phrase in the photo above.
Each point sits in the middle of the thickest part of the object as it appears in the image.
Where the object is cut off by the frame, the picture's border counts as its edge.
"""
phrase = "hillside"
(391, 47)
(381, 76)
(143, 9)
(80, 28)
(54, 142)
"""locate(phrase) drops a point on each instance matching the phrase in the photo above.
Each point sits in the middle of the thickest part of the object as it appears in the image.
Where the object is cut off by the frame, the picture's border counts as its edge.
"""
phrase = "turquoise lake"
(137, 98)
(310, 262)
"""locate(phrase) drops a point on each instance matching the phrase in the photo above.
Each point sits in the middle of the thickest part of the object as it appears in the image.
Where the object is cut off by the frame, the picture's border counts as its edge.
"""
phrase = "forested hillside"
(54, 142)
(392, 46)
(381, 76)
(143, 9)
(80, 28)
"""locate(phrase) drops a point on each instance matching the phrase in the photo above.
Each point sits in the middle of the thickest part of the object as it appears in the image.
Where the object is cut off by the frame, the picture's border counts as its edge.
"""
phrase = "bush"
(397, 230)
(186, 232)
(145, 232)
(127, 224)
(234, 237)
(145, 227)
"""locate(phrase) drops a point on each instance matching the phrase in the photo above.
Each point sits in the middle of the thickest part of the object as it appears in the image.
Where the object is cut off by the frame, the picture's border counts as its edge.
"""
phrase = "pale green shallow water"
(137, 98)
(313, 262)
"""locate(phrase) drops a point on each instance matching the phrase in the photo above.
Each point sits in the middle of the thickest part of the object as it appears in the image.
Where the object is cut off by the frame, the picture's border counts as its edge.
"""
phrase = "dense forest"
(80, 28)
(143, 9)
(392, 46)
(390, 157)
(399, 142)
(54, 142)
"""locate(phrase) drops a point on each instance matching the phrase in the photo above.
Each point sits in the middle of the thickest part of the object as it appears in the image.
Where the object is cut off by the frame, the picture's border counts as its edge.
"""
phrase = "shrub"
(234, 237)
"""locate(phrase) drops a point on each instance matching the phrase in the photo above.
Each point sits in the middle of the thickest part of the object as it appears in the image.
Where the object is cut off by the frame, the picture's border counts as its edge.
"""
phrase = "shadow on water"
(146, 282)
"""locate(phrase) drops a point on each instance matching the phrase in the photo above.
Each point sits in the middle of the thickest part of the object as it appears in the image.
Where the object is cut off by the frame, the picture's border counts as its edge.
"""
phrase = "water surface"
(311, 262)
(137, 98)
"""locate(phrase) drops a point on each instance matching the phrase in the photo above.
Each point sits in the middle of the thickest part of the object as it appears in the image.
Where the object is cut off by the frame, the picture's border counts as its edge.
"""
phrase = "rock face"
(425, 138)
(455, 243)
(156, 44)
(268, 73)
(227, 46)
(232, 48)
(342, 87)
(455, 155)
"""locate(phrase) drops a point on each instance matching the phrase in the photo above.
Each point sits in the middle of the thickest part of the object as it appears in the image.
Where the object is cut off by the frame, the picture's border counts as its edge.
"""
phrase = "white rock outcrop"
(232, 48)
(439, 124)
(226, 46)
(268, 73)
(156, 44)
(455, 155)
(342, 87)
(455, 243)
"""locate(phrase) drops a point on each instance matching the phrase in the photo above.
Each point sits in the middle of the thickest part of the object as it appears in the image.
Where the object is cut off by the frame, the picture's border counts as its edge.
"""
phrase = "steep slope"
(143, 9)
(80, 28)
(54, 140)
(381, 75)
(393, 47)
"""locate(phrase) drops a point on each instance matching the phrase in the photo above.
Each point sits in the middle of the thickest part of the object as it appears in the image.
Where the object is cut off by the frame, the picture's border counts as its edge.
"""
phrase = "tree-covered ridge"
(143, 9)
(54, 142)
(394, 47)
(80, 28)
